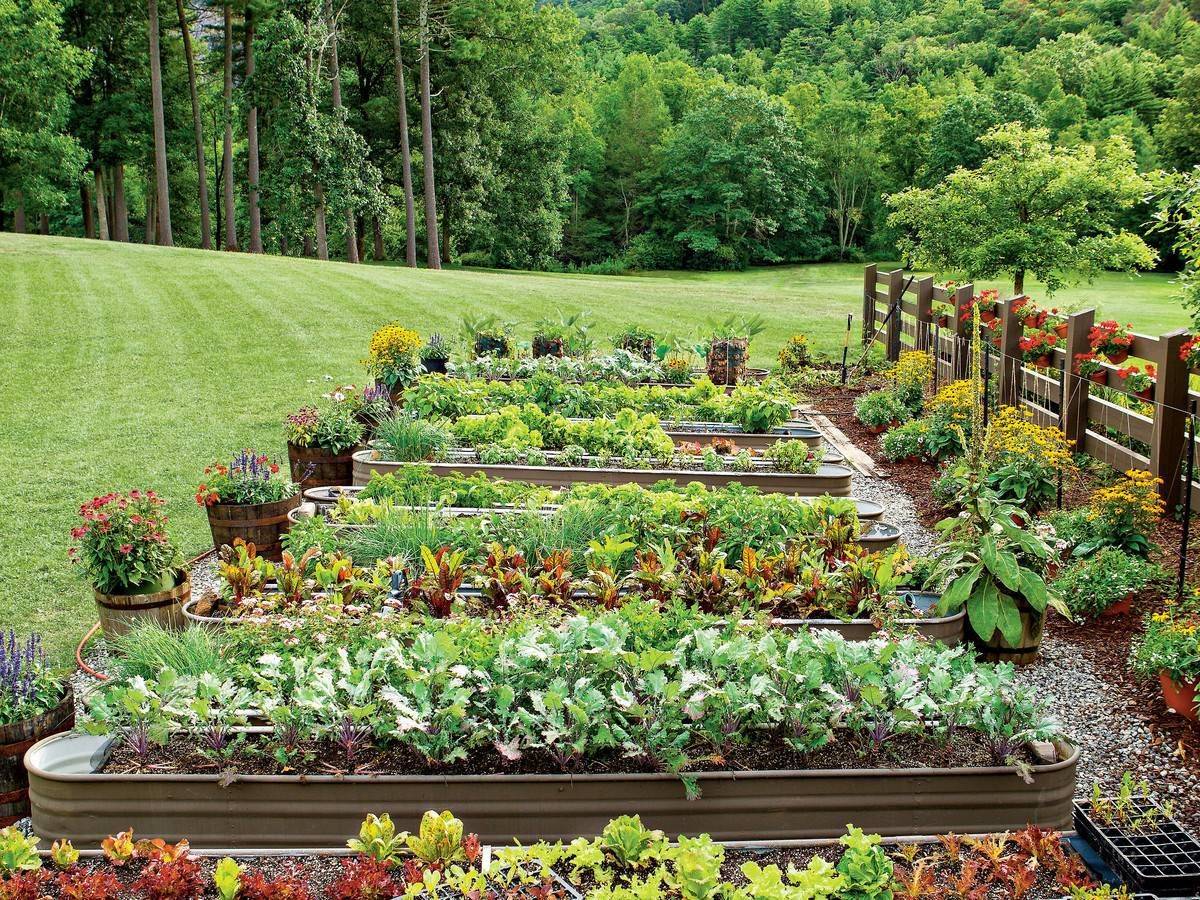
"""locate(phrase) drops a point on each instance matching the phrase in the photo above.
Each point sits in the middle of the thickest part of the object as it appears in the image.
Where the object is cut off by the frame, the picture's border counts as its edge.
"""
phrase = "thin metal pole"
(846, 349)
(1187, 502)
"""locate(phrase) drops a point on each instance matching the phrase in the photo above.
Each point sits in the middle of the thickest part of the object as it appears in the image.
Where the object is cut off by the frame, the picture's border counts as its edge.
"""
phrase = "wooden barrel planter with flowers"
(261, 524)
(318, 467)
(15, 739)
(119, 612)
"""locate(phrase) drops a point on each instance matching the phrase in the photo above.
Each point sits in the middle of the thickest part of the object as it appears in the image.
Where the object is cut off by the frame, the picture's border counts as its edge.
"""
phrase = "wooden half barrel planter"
(318, 467)
(70, 799)
(830, 479)
(15, 740)
(119, 612)
(262, 524)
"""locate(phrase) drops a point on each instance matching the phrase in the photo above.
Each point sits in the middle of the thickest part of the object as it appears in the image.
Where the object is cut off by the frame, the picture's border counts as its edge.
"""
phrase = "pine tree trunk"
(410, 210)
(252, 146)
(19, 214)
(198, 126)
(120, 206)
(162, 189)
(85, 197)
(43, 224)
(101, 203)
(322, 237)
(433, 251)
(377, 235)
(227, 145)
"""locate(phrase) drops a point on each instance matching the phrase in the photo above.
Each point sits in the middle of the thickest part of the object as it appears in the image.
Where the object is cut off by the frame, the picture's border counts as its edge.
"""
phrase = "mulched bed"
(1082, 665)
(181, 755)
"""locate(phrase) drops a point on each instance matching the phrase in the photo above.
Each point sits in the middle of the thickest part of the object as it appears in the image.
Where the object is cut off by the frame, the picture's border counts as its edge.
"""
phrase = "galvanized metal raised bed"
(70, 800)
(829, 479)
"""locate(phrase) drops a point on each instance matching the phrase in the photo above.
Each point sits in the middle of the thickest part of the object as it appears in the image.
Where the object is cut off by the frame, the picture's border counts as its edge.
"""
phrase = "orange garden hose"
(88, 670)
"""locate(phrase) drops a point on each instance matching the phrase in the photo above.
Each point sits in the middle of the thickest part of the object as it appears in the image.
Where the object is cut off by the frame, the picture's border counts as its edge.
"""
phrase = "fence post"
(868, 319)
(895, 298)
(924, 313)
(1169, 437)
(1011, 367)
(1074, 413)
(962, 330)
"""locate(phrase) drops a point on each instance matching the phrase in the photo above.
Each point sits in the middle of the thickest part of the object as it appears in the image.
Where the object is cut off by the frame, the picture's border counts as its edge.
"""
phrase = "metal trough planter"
(830, 479)
(70, 800)
(322, 497)
(947, 629)
(704, 433)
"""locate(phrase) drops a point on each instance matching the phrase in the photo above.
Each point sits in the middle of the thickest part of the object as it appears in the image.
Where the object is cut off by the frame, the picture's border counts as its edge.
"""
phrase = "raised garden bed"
(704, 433)
(830, 479)
(71, 800)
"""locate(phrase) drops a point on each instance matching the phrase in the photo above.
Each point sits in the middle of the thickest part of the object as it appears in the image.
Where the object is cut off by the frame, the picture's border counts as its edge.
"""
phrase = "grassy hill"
(130, 366)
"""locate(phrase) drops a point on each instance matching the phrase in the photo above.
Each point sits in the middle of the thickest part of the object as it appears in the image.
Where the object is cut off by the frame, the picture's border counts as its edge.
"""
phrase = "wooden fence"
(903, 311)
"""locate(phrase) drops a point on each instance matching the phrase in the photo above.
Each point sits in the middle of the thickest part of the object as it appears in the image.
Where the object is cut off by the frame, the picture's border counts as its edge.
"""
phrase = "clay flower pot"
(1145, 393)
(1100, 377)
(1061, 329)
(1117, 356)
(877, 429)
(1121, 608)
(987, 315)
(1042, 362)
(1179, 696)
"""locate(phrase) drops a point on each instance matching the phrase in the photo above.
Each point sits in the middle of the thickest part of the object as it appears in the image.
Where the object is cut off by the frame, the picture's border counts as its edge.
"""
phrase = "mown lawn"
(128, 366)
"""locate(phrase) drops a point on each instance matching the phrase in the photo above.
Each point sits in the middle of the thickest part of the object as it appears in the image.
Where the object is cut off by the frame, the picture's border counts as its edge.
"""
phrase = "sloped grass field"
(129, 366)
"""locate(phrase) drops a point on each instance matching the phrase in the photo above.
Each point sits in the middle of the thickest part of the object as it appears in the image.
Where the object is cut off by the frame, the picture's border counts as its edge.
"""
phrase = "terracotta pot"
(1179, 696)
(1145, 394)
(164, 607)
(1100, 377)
(943, 321)
(1042, 362)
(1117, 356)
(15, 739)
(1061, 329)
(1121, 607)
(877, 429)
(1031, 321)
(262, 524)
(987, 315)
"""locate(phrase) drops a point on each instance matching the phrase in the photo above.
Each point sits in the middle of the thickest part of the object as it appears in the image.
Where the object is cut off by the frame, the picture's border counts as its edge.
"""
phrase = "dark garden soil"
(253, 756)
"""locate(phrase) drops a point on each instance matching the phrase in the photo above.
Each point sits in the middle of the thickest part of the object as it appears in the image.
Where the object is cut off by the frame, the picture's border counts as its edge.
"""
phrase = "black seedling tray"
(562, 886)
(1162, 858)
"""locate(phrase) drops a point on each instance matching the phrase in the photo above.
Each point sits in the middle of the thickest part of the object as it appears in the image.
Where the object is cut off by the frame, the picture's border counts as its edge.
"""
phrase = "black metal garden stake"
(846, 349)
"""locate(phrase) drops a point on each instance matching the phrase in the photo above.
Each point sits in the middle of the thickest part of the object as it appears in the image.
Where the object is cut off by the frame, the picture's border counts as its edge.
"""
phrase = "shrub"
(1170, 642)
(881, 409)
(911, 374)
(392, 355)
(796, 354)
(1091, 585)
(122, 545)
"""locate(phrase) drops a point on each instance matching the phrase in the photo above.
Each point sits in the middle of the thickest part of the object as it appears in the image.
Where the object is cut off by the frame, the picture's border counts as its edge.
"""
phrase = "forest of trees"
(599, 135)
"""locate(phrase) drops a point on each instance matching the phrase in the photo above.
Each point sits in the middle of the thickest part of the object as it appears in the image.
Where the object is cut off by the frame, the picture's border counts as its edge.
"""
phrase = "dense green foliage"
(606, 134)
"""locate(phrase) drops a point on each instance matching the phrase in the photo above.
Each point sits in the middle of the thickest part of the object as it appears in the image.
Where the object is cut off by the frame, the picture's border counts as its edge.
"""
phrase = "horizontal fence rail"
(904, 311)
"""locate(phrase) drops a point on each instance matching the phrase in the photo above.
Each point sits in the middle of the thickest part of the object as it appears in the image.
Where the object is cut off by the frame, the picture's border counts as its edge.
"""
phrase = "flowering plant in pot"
(36, 701)
(435, 354)
(121, 546)
(880, 410)
(1089, 366)
(1038, 348)
(250, 499)
(1111, 339)
(1105, 584)
(320, 441)
(550, 339)
(1138, 382)
(392, 357)
(487, 335)
(1190, 352)
(1028, 313)
(1169, 649)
